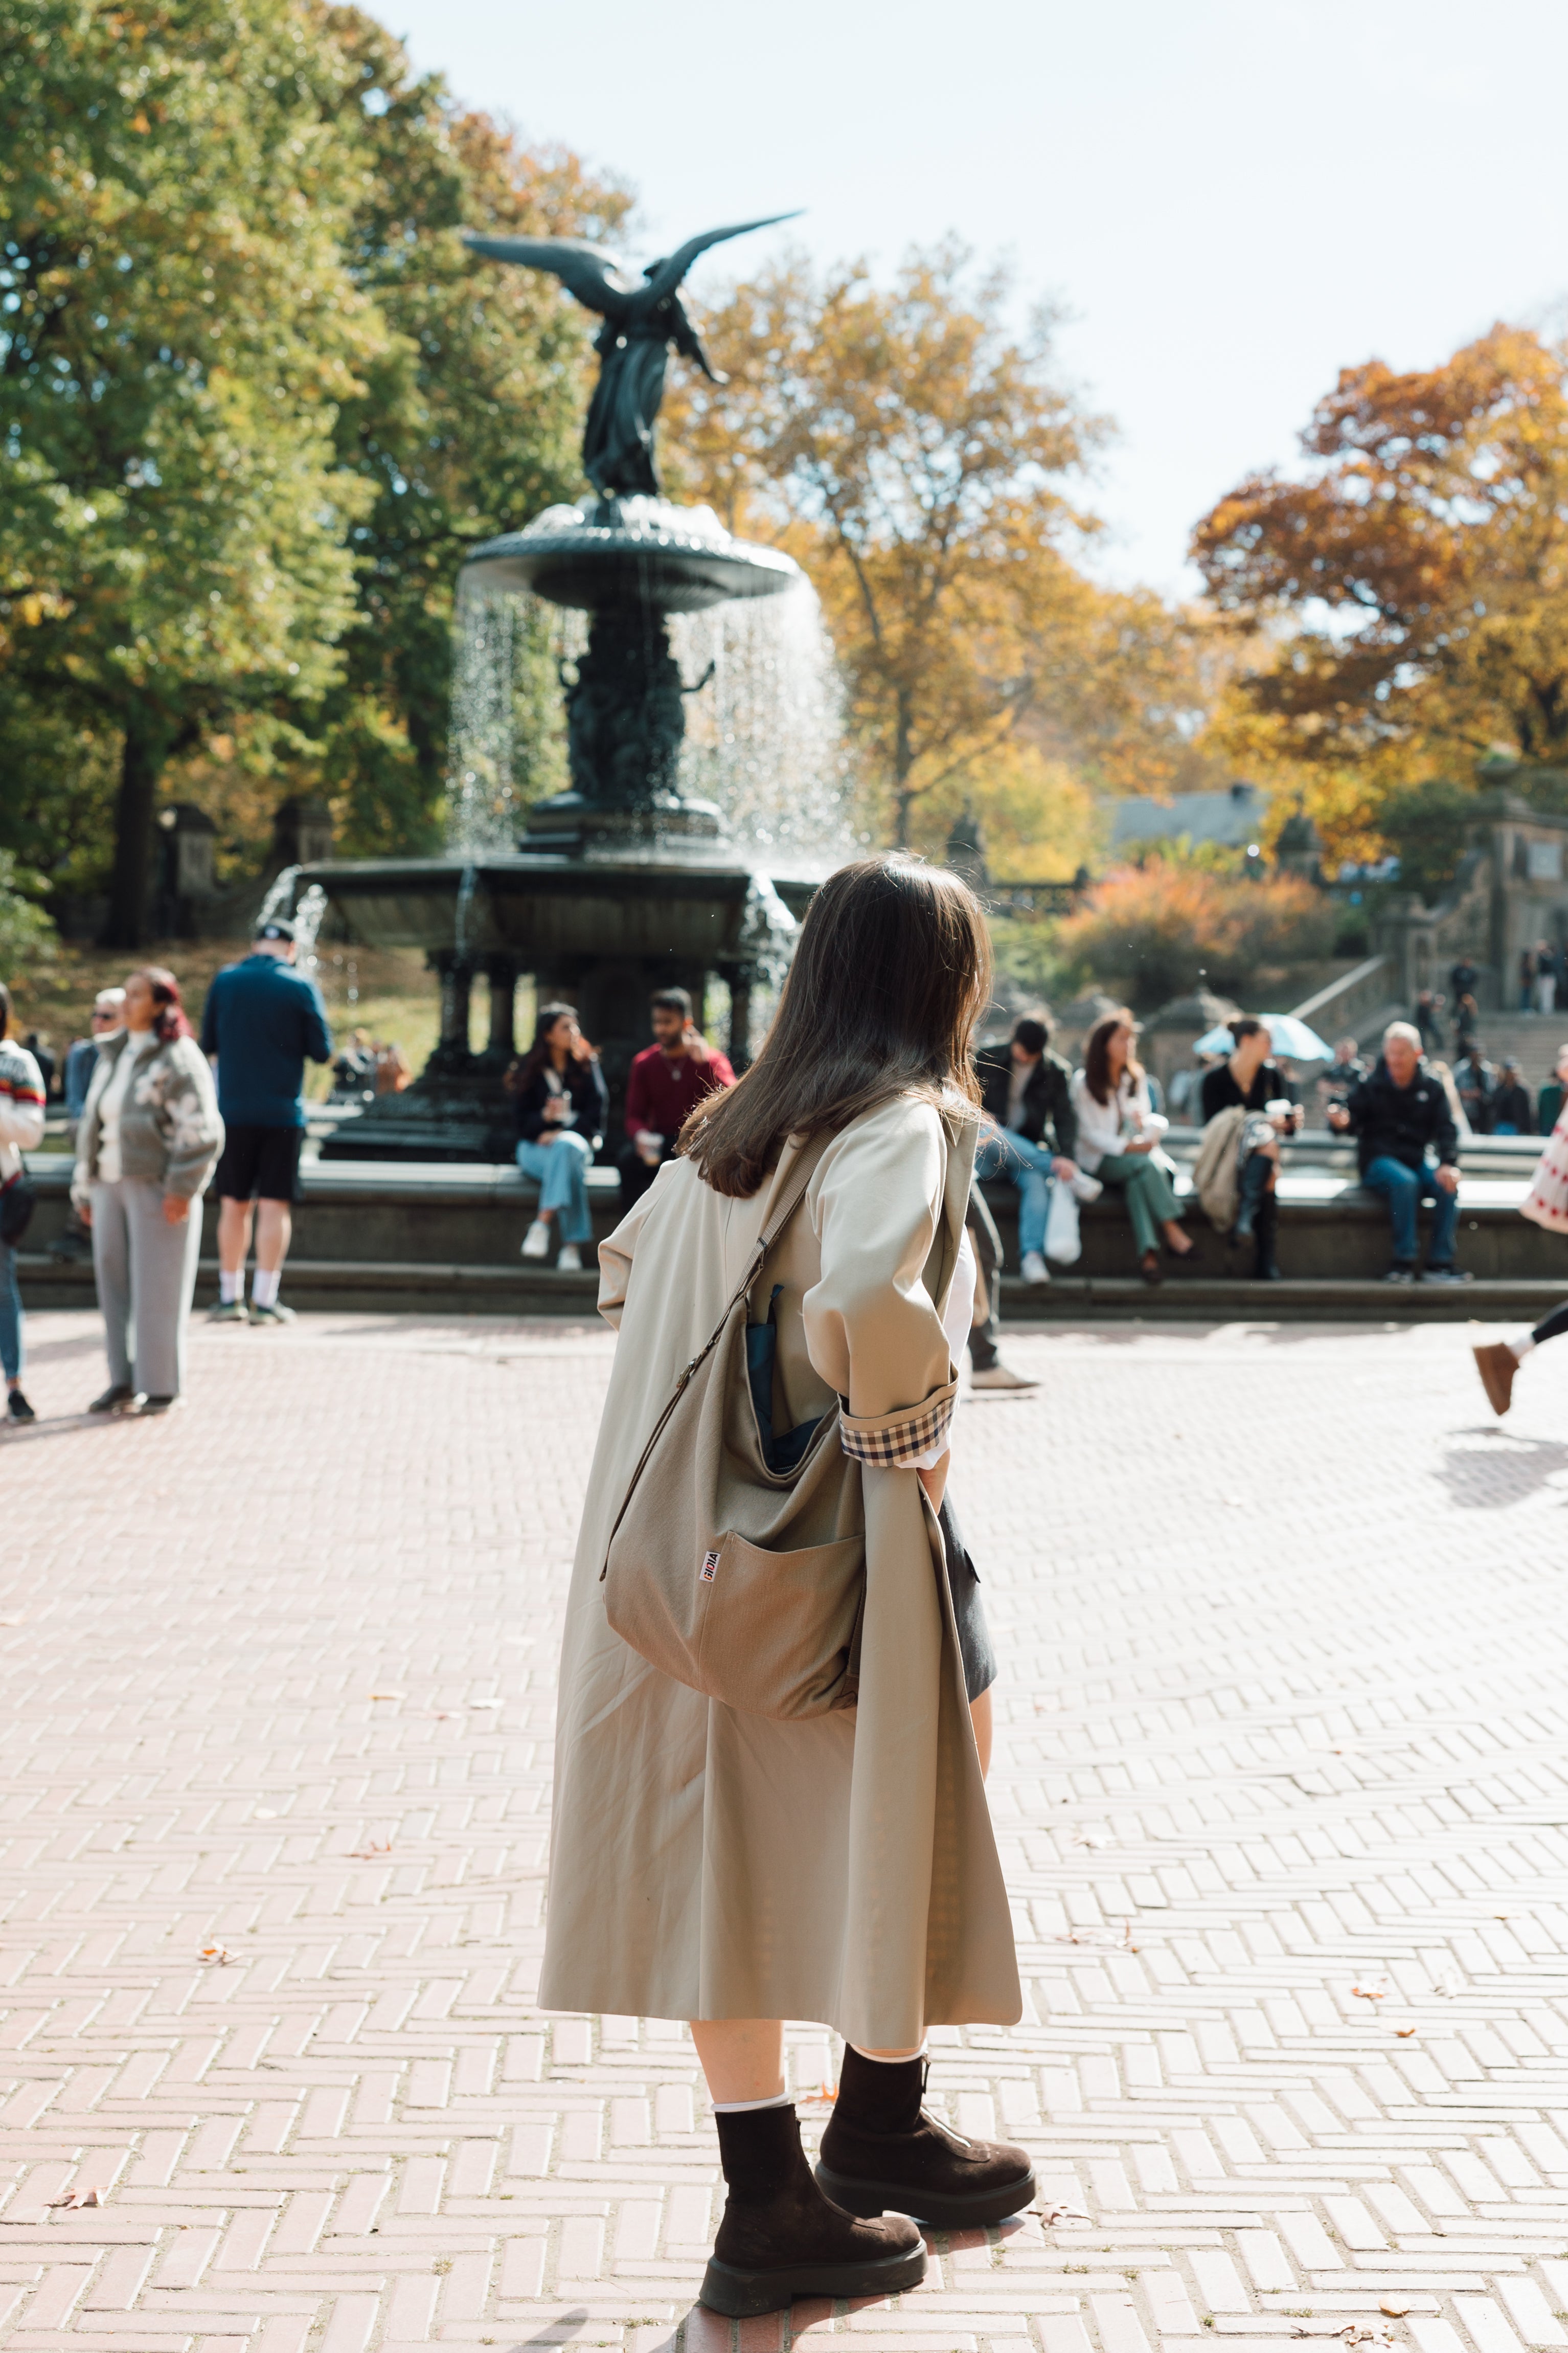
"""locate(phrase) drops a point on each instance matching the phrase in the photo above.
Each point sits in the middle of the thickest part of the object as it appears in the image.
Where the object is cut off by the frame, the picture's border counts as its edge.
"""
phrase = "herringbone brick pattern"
(1280, 1779)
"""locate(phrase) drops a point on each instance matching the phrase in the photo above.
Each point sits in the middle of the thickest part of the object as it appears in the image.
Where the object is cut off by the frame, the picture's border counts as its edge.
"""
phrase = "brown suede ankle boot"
(883, 2149)
(780, 2238)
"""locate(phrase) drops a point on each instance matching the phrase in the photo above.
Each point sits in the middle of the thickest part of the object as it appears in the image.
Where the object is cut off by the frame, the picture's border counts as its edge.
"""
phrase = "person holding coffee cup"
(1250, 1080)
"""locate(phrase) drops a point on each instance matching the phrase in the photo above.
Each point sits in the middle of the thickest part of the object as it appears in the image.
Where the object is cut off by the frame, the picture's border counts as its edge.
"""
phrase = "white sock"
(744, 2107)
(880, 2058)
(264, 1285)
(1522, 1348)
(230, 1287)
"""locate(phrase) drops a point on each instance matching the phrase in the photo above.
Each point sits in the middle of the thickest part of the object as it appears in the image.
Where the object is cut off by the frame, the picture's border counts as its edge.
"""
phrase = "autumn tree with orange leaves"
(1421, 556)
(918, 452)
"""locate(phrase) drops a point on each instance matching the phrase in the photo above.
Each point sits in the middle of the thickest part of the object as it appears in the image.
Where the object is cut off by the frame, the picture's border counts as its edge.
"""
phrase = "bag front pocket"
(774, 1630)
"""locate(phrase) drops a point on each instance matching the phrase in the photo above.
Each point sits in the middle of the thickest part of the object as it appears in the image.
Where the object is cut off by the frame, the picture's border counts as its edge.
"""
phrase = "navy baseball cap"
(275, 928)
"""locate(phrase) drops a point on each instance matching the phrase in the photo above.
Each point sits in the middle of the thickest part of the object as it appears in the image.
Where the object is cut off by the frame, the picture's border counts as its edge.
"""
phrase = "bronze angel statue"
(641, 321)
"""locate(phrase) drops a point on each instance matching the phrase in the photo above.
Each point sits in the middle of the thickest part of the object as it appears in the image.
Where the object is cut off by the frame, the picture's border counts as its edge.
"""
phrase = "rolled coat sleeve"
(617, 1252)
(872, 1330)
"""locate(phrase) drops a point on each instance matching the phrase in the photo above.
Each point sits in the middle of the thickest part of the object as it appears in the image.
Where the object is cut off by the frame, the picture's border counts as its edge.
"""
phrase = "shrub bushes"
(1150, 930)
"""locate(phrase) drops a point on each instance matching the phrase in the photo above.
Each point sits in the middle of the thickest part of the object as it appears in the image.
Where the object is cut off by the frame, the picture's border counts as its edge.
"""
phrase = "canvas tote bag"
(742, 1581)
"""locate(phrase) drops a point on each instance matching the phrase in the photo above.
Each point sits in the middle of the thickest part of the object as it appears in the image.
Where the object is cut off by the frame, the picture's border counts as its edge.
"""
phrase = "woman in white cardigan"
(1118, 1132)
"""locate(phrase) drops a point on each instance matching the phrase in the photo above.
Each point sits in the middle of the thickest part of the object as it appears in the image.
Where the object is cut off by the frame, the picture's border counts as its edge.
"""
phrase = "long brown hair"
(1097, 1054)
(538, 1054)
(891, 973)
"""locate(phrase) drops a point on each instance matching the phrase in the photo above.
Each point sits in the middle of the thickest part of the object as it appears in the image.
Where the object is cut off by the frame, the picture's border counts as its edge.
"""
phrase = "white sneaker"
(1085, 1188)
(571, 1260)
(1034, 1269)
(536, 1242)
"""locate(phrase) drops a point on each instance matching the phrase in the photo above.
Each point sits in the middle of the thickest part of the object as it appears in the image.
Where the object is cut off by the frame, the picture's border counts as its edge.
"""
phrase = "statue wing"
(594, 275)
(668, 275)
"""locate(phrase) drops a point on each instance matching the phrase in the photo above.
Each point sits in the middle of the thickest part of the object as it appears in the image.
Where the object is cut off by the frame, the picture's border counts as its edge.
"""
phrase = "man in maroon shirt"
(663, 1084)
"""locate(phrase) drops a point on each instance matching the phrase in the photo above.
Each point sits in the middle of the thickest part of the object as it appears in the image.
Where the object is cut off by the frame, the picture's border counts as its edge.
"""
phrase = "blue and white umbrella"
(1287, 1036)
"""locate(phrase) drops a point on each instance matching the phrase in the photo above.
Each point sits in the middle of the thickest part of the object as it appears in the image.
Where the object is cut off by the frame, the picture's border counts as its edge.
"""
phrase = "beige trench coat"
(709, 1865)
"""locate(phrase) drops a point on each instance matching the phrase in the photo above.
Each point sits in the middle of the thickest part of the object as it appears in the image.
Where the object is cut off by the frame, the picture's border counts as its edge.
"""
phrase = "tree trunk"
(903, 761)
(140, 764)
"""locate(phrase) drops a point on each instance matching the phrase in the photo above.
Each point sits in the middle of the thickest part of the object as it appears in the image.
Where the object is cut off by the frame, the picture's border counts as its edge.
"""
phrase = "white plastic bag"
(1062, 1240)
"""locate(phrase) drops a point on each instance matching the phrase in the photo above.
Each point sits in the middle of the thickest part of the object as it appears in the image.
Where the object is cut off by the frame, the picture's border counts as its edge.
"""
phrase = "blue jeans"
(1403, 1188)
(11, 1324)
(1029, 1166)
(562, 1168)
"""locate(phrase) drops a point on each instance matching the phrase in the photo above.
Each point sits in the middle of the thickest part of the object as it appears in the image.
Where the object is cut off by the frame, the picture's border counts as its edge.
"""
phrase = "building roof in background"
(1230, 819)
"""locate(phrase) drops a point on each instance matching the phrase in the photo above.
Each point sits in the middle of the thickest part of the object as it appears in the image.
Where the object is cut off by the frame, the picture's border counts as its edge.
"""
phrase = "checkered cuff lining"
(897, 1442)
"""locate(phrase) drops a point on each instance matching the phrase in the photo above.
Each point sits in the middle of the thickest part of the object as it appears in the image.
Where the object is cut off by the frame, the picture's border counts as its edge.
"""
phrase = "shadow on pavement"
(559, 2331)
(1486, 1469)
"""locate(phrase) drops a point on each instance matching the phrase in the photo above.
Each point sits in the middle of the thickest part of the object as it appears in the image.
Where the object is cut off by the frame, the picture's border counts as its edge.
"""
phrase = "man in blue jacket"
(261, 1021)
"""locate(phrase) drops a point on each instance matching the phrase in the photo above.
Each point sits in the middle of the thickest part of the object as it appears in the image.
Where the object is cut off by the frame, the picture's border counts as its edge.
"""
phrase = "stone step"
(1531, 1039)
(411, 1287)
(1205, 1299)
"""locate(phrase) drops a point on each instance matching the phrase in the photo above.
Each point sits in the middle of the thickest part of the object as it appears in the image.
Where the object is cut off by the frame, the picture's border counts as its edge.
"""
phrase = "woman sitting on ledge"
(1117, 1132)
(561, 1106)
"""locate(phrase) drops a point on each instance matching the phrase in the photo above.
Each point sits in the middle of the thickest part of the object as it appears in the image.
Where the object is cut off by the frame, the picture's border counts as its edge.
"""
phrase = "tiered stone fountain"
(621, 884)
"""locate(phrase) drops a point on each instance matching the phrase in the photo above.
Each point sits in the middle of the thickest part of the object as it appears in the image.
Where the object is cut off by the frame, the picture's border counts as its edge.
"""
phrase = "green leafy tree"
(179, 329)
(27, 935)
(469, 422)
(258, 400)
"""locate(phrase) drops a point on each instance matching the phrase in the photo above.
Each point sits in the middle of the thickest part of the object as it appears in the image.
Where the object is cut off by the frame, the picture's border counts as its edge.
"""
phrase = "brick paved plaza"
(1279, 1778)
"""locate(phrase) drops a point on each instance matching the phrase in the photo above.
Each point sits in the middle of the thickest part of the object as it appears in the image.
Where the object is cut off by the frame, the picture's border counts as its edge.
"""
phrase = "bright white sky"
(1234, 198)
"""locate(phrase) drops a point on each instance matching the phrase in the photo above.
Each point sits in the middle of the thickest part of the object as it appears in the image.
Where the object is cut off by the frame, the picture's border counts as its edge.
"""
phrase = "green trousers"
(1150, 1199)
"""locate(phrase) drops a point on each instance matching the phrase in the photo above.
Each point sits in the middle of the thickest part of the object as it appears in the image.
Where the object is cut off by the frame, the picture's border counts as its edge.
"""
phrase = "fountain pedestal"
(619, 886)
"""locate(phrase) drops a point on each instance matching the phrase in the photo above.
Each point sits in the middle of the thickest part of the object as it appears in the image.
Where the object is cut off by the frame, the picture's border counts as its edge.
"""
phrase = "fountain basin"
(658, 899)
(639, 550)
(601, 930)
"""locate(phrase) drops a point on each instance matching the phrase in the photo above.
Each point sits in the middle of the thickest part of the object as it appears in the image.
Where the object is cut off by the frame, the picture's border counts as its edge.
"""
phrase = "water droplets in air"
(764, 737)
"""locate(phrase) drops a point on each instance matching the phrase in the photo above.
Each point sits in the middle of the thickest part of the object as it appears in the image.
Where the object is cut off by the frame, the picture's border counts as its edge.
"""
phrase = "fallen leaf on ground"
(219, 1953)
(1369, 1993)
(389, 1695)
(1405, 2033)
(1050, 2215)
(368, 1852)
(1086, 1837)
(89, 2197)
(1395, 2306)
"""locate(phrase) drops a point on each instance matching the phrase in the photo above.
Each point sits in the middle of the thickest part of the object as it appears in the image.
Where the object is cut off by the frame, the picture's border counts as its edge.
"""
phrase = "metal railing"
(1366, 988)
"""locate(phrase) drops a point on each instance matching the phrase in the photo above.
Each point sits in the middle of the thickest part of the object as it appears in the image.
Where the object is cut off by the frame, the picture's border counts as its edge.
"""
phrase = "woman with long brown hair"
(1118, 1132)
(562, 1104)
(146, 1147)
(734, 1864)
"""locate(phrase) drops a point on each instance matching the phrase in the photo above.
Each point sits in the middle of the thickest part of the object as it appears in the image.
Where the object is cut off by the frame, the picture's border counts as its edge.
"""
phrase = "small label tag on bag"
(710, 1565)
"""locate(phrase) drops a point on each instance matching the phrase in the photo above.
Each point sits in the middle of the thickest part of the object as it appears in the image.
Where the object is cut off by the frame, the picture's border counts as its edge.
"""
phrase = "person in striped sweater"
(21, 1129)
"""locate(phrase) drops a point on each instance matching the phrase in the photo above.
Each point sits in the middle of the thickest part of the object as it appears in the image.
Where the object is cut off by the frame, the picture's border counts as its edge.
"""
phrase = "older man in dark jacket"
(1030, 1131)
(1408, 1150)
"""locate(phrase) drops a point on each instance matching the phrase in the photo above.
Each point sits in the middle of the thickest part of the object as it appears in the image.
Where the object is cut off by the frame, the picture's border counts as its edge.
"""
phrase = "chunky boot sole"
(742, 2293)
(952, 2210)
